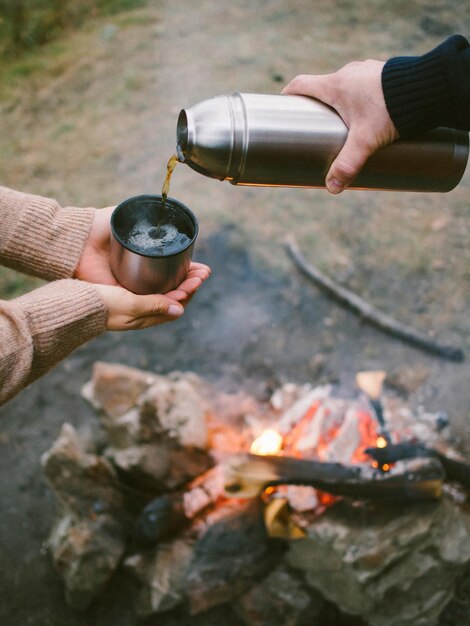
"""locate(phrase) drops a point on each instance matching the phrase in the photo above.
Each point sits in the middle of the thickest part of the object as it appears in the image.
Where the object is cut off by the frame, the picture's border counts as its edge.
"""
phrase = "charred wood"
(160, 519)
(231, 554)
(167, 514)
(417, 479)
(455, 469)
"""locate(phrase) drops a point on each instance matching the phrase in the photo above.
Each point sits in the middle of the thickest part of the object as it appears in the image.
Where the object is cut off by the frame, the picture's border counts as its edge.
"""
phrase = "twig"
(368, 312)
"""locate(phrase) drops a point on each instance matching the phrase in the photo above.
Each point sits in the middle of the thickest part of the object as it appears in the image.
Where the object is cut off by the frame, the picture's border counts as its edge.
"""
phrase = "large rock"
(85, 483)
(156, 426)
(281, 599)
(115, 389)
(174, 409)
(157, 467)
(161, 575)
(86, 552)
(137, 407)
(393, 566)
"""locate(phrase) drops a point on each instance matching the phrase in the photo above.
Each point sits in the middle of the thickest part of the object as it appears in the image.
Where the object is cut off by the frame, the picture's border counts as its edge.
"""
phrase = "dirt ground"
(91, 120)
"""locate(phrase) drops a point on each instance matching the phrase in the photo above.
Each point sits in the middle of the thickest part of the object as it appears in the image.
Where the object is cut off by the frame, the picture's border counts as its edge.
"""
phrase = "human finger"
(199, 266)
(152, 309)
(128, 311)
(187, 287)
(348, 163)
(318, 86)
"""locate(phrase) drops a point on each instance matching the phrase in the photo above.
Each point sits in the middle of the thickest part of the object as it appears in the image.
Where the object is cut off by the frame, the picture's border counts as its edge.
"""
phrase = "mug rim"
(148, 196)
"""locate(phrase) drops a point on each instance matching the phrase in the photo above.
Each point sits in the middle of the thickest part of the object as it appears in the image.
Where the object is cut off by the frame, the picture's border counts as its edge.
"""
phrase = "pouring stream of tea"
(172, 161)
(170, 166)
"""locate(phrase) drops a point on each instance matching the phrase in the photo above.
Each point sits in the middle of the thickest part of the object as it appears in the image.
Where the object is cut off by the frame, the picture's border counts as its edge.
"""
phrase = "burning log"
(167, 514)
(454, 469)
(162, 517)
(246, 475)
(369, 313)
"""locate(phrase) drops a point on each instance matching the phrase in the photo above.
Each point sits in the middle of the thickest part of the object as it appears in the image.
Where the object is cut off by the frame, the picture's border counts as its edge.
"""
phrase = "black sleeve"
(430, 90)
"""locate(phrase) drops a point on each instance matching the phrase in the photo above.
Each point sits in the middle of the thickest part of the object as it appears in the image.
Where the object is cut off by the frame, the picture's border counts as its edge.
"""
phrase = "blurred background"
(90, 91)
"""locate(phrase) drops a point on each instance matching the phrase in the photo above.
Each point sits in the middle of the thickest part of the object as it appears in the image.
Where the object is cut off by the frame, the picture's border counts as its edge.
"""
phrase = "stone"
(145, 465)
(86, 552)
(84, 483)
(393, 566)
(280, 599)
(115, 389)
(175, 409)
(150, 408)
(161, 575)
(186, 464)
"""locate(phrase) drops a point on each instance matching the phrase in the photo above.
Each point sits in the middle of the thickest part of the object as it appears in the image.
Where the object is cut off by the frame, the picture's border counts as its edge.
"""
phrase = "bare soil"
(91, 120)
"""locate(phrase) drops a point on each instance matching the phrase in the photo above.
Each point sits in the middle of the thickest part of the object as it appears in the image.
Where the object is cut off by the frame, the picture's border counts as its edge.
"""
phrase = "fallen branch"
(368, 312)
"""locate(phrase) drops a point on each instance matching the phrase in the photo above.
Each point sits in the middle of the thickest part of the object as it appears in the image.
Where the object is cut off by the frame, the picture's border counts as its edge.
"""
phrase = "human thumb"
(347, 164)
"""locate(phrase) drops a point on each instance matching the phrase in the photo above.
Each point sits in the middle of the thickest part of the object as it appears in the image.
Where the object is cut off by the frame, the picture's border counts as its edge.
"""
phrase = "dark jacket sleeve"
(431, 90)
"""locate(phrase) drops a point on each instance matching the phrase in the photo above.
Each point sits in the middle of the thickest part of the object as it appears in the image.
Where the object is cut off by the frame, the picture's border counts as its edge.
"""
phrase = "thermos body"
(291, 141)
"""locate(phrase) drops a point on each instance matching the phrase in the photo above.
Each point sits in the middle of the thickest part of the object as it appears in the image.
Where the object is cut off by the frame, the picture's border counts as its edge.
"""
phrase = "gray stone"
(392, 566)
(86, 552)
(148, 463)
(84, 483)
(174, 408)
(162, 576)
(115, 389)
(281, 599)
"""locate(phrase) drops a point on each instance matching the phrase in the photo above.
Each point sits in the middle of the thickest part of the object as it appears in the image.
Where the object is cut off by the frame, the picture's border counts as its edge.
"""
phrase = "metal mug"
(142, 272)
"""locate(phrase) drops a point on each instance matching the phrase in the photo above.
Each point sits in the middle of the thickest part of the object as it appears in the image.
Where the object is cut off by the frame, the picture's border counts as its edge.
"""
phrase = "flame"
(381, 442)
(269, 442)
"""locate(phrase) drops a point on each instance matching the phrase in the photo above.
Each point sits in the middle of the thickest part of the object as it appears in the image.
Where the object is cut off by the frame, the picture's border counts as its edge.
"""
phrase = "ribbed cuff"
(61, 316)
(39, 237)
(416, 92)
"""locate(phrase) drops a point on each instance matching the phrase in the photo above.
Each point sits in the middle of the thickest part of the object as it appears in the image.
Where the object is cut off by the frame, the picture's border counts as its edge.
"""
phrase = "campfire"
(209, 498)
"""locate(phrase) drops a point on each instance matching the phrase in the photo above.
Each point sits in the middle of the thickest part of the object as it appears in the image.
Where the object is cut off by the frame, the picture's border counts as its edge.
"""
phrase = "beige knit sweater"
(39, 329)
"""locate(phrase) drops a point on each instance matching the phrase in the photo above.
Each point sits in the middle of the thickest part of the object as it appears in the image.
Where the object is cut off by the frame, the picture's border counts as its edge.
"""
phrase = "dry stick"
(368, 312)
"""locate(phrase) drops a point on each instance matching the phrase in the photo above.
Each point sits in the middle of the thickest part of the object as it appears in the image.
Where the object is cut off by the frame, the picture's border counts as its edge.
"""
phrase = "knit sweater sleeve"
(39, 237)
(432, 90)
(41, 328)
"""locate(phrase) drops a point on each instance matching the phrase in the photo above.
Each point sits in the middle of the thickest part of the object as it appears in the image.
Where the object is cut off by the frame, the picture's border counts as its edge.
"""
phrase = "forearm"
(432, 90)
(39, 237)
(41, 328)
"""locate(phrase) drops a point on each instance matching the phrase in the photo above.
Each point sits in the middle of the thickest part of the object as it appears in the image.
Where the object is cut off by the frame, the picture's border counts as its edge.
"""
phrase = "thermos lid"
(205, 137)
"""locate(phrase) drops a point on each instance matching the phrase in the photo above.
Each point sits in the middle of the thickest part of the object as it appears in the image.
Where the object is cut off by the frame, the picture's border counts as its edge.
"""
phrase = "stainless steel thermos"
(290, 141)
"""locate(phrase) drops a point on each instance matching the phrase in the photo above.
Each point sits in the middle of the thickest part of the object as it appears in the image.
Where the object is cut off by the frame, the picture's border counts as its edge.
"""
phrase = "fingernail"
(334, 185)
(175, 311)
